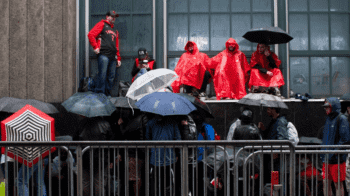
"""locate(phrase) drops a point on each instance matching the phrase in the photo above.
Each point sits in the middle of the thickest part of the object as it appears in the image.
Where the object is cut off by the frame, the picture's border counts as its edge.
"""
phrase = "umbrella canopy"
(165, 104)
(123, 102)
(150, 82)
(27, 125)
(309, 141)
(263, 99)
(268, 35)
(200, 105)
(345, 97)
(89, 104)
(12, 105)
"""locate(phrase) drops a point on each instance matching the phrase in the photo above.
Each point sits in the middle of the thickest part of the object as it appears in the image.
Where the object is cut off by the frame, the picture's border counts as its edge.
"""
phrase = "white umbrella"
(150, 82)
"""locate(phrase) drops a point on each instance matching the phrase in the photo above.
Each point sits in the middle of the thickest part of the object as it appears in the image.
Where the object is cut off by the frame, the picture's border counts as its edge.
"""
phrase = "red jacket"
(190, 68)
(260, 65)
(231, 72)
(135, 69)
(103, 36)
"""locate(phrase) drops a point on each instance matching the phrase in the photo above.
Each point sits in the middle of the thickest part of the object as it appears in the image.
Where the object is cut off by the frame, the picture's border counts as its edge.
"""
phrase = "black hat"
(112, 13)
(142, 53)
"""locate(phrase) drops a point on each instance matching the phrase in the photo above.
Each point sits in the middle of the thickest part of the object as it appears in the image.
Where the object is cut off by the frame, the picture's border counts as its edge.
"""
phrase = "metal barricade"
(164, 167)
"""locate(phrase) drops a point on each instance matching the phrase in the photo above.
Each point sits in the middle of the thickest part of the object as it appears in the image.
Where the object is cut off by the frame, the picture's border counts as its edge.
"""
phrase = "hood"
(106, 21)
(232, 41)
(195, 48)
(335, 103)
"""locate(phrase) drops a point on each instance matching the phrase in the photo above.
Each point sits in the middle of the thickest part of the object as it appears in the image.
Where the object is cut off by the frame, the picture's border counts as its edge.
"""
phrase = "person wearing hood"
(105, 42)
(192, 71)
(265, 70)
(335, 132)
(231, 72)
(142, 64)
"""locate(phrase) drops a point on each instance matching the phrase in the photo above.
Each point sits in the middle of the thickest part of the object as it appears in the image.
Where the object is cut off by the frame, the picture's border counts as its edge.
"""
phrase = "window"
(319, 52)
(210, 23)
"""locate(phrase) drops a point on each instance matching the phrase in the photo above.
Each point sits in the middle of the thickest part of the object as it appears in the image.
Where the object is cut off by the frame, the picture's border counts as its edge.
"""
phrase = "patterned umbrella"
(27, 125)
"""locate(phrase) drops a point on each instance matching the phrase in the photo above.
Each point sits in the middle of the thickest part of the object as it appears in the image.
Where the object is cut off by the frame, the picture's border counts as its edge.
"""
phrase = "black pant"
(159, 179)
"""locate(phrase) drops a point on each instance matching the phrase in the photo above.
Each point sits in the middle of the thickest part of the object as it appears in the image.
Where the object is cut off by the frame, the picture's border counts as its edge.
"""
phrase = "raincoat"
(261, 64)
(334, 135)
(231, 72)
(190, 68)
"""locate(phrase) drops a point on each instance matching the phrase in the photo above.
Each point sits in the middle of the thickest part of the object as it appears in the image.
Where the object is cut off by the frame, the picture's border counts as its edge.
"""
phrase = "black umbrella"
(200, 105)
(123, 102)
(12, 105)
(268, 35)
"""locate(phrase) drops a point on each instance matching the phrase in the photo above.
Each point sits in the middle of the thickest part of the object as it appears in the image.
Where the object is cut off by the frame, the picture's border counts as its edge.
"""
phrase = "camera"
(144, 61)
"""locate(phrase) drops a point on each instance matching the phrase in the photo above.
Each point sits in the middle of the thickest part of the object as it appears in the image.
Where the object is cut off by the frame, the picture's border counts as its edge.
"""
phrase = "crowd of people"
(229, 70)
(231, 74)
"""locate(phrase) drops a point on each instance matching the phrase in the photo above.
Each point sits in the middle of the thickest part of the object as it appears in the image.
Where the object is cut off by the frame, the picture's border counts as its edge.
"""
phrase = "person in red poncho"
(231, 72)
(265, 70)
(142, 64)
(192, 71)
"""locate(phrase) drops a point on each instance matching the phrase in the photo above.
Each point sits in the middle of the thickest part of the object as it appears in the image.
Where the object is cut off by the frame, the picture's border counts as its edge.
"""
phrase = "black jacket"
(135, 131)
(247, 132)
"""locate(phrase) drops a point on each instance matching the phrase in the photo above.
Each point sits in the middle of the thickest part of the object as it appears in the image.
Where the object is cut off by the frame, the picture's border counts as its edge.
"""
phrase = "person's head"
(190, 47)
(246, 116)
(273, 112)
(143, 54)
(327, 107)
(231, 47)
(262, 48)
(111, 15)
(197, 117)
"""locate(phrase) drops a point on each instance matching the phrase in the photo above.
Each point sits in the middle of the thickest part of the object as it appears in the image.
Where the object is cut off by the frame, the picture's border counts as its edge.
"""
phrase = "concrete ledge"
(284, 100)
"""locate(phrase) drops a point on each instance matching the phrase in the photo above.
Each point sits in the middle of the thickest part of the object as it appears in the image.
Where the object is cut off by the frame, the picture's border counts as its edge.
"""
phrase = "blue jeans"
(106, 74)
(36, 169)
(141, 72)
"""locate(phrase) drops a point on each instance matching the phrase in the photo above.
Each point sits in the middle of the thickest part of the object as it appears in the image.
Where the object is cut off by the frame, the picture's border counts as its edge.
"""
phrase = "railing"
(242, 167)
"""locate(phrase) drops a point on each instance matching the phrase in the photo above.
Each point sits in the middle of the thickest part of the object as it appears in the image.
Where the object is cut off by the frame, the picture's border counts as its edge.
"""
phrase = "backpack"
(86, 84)
(202, 130)
(292, 133)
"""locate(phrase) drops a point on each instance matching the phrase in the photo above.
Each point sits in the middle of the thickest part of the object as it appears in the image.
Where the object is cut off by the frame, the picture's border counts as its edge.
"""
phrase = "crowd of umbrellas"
(148, 93)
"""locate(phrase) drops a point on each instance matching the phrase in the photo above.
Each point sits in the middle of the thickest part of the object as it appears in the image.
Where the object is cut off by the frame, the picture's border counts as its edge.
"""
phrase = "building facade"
(45, 50)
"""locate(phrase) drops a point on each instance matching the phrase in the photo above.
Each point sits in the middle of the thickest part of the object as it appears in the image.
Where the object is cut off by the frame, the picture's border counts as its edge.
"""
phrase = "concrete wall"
(37, 50)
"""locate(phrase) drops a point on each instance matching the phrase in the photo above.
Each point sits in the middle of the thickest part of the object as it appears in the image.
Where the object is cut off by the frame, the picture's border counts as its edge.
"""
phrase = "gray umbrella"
(345, 97)
(264, 100)
(123, 102)
(89, 104)
(12, 105)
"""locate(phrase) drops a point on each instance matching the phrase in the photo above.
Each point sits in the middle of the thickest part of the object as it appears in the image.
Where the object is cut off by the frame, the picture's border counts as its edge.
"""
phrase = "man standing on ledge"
(105, 42)
(231, 72)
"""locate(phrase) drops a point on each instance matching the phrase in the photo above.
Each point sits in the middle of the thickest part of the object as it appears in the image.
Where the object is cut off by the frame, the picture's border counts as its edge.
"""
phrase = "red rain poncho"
(190, 68)
(258, 78)
(231, 72)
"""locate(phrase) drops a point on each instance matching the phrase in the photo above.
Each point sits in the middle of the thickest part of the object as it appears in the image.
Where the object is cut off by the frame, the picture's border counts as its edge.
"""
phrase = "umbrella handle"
(131, 107)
